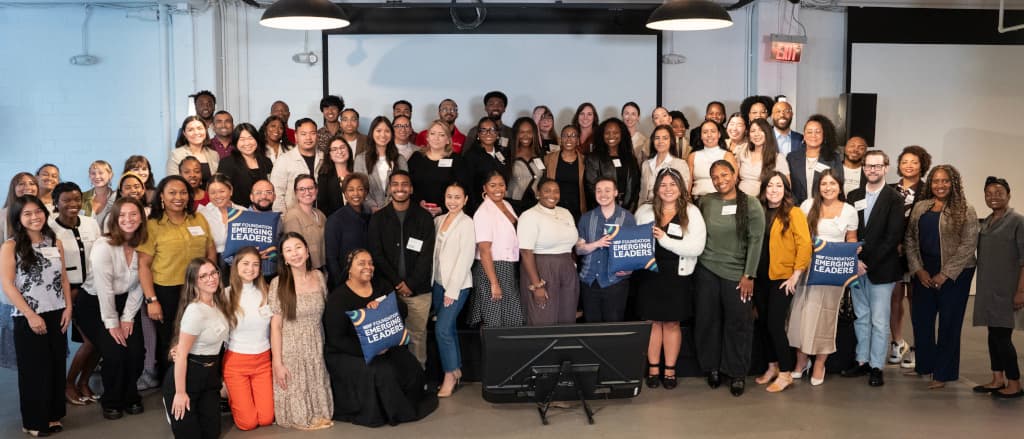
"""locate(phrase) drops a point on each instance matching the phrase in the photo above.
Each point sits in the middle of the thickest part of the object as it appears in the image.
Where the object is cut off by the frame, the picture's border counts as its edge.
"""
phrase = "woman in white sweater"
(247, 367)
(454, 252)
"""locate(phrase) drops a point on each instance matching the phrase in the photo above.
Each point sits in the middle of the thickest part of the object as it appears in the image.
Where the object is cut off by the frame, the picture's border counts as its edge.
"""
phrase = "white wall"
(55, 112)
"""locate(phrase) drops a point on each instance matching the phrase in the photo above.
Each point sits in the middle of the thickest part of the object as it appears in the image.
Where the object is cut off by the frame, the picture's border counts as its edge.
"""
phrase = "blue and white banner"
(833, 263)
(381, 328)
(632, 248)
(250, 228)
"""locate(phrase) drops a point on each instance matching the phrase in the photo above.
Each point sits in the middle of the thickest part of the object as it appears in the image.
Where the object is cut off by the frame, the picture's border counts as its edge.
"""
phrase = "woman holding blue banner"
(216, 211)
(724, 327)
(386, 388)
(815, 314)
(942, 236)
(666, 296)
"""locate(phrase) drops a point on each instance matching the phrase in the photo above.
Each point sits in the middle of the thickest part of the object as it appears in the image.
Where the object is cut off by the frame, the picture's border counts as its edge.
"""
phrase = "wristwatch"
(150, 300)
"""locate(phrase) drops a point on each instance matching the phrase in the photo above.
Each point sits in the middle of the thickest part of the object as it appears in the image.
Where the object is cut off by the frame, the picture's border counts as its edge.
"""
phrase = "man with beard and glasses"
(263, 197)
(447, 112)
(785, 137)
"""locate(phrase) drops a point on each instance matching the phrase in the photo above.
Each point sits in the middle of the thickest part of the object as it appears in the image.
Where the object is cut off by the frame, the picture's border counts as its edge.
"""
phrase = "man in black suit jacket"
(401, 241)
(880, 229)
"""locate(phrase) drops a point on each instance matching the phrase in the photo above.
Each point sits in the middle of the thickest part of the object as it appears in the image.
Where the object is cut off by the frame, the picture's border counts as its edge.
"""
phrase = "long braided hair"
(956, 202)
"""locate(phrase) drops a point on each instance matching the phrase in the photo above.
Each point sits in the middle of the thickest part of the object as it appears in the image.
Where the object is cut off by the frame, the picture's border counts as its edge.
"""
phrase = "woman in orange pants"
(247, 366)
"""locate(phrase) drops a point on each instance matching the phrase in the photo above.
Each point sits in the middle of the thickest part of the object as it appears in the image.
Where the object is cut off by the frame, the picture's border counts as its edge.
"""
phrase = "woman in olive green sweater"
(724, 326)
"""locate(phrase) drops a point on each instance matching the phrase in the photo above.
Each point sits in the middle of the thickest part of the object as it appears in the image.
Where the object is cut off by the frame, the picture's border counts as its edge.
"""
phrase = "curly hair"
(829, 141)
(955, 203)
(767, 101)
(923, 157)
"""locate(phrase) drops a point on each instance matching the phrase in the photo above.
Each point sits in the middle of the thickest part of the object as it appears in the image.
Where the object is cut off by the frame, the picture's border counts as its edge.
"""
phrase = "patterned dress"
(307, 401)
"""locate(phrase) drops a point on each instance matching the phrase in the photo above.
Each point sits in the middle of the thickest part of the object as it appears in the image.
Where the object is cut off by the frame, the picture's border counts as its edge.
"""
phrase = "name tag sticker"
(539, 164)
(860, 205)
(820, 167)
(50, 252)
(674, 230)
(503, 141)
(729, 210)
(414, 244)
(617, 163)
(444, 163)
(196, 230)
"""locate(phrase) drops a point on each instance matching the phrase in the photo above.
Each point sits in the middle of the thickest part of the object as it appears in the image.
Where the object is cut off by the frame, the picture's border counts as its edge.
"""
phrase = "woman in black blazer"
(820, 151)
(612, 158)
(247, 164)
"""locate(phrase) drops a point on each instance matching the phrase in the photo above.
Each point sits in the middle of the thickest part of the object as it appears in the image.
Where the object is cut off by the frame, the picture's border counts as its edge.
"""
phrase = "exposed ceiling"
(957, 4)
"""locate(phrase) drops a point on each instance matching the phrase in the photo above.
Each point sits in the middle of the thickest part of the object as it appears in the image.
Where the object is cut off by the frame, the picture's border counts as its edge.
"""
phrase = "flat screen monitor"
(533, 364)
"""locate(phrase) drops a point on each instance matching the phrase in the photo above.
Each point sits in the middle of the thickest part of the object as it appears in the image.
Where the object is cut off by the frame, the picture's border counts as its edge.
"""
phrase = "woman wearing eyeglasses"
(483, 157)
(307, 220)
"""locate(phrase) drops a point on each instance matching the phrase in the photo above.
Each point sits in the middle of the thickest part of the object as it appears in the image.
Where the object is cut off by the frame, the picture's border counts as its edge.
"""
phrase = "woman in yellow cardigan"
(785, 255)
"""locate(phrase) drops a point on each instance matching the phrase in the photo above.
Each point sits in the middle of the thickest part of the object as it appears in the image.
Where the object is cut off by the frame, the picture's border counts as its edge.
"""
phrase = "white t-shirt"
(252, 332)
(547, 231)
(208, 325)
(834, 229)
(851, 179)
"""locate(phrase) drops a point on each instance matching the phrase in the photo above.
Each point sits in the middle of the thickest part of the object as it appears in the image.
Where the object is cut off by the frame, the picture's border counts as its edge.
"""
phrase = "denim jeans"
(444, 327)
(871, 304)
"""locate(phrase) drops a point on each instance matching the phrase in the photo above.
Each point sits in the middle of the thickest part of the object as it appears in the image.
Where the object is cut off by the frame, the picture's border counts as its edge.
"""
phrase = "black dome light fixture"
(304, 15)
(684, 15)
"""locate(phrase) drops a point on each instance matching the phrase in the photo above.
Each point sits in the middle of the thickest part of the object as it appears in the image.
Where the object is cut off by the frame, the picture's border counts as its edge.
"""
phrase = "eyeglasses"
(262, 193)
(208, 276)
(402, 126)
(488, 130)
(874, 167)
(305, 189)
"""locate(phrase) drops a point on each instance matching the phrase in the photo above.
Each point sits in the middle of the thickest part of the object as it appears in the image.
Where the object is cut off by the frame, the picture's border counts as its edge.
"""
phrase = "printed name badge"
(539, 164)
(860, 205)
(444, 163)
(820, 167)
(675, 230)
(195, 230)
(50, 252)
(729, 210)
(617, 163)
(498, 155)
(414, 244)
(503, 141)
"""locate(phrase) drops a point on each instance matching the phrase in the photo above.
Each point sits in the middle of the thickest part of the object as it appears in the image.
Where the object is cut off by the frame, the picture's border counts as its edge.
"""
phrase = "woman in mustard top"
(785, 255)
(176, 236)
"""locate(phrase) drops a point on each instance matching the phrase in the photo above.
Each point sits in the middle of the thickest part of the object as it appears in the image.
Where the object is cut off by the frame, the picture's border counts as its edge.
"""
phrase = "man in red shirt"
(447, 112)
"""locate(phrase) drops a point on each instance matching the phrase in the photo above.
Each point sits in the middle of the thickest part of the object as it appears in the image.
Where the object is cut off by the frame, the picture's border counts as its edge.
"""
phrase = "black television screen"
(606, 360)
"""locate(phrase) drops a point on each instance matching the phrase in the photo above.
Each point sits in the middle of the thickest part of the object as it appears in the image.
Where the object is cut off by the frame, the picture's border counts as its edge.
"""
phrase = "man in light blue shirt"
(782, 118)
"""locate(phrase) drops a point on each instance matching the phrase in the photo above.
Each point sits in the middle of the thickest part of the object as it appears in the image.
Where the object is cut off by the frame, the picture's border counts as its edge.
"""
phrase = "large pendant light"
(304, 15)
(689, 15)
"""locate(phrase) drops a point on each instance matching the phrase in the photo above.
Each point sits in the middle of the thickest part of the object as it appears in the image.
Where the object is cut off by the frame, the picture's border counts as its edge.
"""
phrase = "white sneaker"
(908, 360)
(897, 351)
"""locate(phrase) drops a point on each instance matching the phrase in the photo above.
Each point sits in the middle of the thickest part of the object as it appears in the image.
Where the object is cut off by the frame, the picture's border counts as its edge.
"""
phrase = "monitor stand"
(566, 379)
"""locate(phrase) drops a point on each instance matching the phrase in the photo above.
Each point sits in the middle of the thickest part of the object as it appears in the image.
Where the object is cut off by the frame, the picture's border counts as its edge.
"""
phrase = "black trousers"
(41, 371)
(604, 304)
(1001, 352)
(168, 296)
(772, 306)
(122, 365)
(724, 325)
(202, 384)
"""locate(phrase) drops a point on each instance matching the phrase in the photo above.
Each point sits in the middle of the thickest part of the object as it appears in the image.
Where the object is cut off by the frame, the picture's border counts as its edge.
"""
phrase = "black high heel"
(669, 382)
(653, 381)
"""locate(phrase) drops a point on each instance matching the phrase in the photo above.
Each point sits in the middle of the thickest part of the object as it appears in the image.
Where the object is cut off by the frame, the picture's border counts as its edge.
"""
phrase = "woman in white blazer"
(454, 252)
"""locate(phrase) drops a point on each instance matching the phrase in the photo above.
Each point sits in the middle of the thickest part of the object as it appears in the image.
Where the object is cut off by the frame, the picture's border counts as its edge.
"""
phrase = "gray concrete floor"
(841, 408)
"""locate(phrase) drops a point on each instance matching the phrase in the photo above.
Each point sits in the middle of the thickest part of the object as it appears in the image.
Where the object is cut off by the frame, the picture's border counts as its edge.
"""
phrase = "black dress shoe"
(1001, 395)
(876, 379)
(669, 382)
(112, 414)
(737, 386)
(653, 381)
(714, 379)
(983, 389)
(857, 370)
(134, 409)
(56, 428)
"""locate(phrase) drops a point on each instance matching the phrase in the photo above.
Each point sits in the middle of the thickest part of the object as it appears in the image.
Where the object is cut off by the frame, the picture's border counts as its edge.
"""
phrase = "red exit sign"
(786, 52)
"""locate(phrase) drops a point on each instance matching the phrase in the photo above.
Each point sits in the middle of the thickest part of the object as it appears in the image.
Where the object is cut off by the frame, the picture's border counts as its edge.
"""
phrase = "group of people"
(510, 220)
